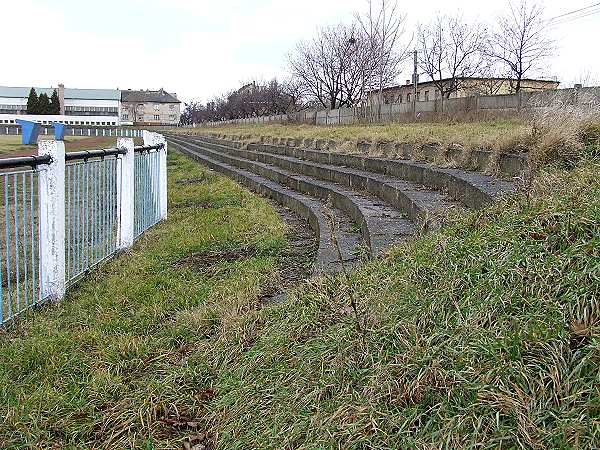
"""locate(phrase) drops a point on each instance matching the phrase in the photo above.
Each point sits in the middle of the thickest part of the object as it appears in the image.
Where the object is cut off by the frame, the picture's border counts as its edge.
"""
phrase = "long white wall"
(68, 120)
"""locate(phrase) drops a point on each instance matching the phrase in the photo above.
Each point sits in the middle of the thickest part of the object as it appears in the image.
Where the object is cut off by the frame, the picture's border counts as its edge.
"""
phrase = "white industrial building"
(98, 107)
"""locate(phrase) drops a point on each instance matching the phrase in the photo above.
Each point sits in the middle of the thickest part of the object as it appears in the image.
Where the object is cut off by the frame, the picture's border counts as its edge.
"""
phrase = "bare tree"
(251, 100)
(324, 66)
(520, 40)
(344, 62)
(492, 79)
(296, 93)
(383, 26)
(587, 78)
(450, 50)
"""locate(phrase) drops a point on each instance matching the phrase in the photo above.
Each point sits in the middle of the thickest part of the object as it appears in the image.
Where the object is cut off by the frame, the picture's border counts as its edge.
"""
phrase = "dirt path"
(297, 259)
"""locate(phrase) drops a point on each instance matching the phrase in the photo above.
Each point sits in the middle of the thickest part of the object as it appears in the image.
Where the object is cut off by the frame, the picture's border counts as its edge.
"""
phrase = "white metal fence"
(63, 214)
(77, 131)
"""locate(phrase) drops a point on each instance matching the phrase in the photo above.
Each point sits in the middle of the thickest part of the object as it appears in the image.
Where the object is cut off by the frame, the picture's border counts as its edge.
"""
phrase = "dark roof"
(160, 96)
(74, 94)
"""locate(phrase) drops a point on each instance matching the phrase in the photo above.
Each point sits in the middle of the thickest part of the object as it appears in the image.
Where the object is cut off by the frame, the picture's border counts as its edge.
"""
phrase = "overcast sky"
(200, 48)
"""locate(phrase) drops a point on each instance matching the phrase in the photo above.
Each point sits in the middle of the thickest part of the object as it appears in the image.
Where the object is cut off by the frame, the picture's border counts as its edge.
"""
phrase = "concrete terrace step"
(315, 211)
(473, 189)
(420, 204)
(381, 224)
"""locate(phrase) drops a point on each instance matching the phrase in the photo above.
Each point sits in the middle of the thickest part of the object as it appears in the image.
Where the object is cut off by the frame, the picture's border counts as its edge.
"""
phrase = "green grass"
(108, 366)
(484, 334)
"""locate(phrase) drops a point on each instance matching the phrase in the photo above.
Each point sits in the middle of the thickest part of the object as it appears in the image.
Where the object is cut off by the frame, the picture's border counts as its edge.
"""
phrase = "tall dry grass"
(553, 127)
(564, 129)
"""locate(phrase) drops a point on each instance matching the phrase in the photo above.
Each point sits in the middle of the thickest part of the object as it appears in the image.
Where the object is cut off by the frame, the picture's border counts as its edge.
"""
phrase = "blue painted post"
(30, 131)
(59, 131)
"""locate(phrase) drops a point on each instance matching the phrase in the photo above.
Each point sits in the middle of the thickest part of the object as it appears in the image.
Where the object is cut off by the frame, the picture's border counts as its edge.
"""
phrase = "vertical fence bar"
(7, 243)
(24, 246)
(68, 220)
(93, 215)
(35, 292)
(16, 243)
(86, 217)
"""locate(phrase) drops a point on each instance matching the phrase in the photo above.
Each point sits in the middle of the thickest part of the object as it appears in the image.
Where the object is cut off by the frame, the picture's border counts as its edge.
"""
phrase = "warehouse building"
(465, 87)
(100, 107)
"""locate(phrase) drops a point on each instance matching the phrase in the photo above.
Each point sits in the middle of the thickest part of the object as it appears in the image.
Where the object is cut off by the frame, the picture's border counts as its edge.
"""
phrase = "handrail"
(149, 147)
(85, 154)
(24, 161)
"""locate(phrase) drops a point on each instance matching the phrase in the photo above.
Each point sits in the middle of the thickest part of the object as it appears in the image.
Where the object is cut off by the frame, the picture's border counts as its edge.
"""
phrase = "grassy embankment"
(469, 134)
(545, 135)
(484, 334)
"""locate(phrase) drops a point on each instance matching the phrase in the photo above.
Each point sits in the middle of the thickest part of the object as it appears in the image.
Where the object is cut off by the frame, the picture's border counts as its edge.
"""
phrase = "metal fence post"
(125, 193)
(51, 240)
(157, 139)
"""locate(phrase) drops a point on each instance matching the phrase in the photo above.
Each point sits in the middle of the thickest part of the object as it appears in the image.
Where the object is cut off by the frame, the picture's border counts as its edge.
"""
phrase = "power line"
(574, 11)
(573, 18)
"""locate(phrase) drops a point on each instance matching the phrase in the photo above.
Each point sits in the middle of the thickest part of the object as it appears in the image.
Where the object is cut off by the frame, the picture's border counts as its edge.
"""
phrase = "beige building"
(150, 108)
(467, 87)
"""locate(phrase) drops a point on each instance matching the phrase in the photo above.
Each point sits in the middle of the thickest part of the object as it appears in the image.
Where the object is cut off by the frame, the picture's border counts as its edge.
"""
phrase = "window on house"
(407, 98)
(419, 96)
(156, 117)
(156, 108)
(426, 96)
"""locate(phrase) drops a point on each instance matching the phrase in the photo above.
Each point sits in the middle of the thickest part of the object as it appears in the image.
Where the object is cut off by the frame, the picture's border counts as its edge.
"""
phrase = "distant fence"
(62, 214)
(77, 131)
(475, 107)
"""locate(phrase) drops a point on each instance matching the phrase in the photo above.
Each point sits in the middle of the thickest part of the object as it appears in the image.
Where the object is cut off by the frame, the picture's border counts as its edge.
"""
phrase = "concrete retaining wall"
(477, 107)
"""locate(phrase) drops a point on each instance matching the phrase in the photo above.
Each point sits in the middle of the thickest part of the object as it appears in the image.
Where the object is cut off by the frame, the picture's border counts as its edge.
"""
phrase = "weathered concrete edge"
(415, 210)
(507, 164)
(442, 180)
(327, 259)
(474, 190)
(338, 199)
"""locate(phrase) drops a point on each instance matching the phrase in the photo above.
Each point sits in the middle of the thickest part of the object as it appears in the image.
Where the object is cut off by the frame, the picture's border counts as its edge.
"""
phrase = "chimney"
(408, 82)
(61, 98)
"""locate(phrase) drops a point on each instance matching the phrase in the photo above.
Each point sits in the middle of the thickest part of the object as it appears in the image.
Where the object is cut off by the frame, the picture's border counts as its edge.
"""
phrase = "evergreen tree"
(44, 104)
(32, 102)
(54, 103)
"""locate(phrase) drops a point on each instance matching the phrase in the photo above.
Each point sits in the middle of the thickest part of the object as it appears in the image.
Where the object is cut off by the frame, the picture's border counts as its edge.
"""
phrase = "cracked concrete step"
(473, 189)
(421, 205)
(381, 224)
(313, 210)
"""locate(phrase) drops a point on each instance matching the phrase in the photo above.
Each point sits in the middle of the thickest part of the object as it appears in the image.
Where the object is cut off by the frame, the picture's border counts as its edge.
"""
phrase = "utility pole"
(415, 81)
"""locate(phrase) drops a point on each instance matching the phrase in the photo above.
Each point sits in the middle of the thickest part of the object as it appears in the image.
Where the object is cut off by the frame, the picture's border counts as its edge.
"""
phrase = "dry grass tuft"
(561, 130)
